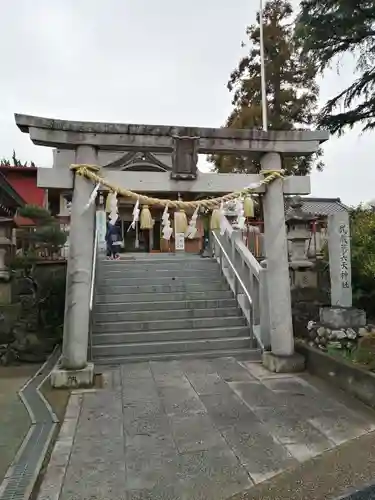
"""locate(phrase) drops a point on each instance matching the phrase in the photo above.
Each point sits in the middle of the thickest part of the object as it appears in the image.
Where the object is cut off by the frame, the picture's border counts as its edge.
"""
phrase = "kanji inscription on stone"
(339, 259)
(185, 158)
(344, 255)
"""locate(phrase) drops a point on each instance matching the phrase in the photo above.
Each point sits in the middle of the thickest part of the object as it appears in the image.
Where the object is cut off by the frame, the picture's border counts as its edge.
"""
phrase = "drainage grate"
(21, 476)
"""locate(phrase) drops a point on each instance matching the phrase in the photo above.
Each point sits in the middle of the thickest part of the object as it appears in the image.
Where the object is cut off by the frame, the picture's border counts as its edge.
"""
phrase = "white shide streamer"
(191, 230)
(92, 197)
(113, 206)
(166, 223)
(135, 216)
(241, 219)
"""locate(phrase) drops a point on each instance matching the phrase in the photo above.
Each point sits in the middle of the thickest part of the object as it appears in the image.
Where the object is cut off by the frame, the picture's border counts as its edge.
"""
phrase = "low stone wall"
(353, 379)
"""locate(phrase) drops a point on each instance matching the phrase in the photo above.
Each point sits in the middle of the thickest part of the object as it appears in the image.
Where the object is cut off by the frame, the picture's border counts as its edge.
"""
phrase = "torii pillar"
(282, 357)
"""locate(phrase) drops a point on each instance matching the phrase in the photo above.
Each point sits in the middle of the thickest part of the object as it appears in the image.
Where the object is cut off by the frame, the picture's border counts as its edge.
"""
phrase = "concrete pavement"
(199, 429)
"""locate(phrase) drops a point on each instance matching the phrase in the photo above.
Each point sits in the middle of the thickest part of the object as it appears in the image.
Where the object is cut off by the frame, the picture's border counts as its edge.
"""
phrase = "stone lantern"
(299, 224)
(320, 238)
(230, 212)
(6, 226)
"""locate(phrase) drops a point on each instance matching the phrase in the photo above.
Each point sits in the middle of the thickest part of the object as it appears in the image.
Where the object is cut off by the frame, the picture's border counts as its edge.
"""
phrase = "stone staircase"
(153, 307)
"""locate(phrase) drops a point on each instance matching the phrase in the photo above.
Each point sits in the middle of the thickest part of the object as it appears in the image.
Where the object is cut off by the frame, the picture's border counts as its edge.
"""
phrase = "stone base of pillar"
(342, 317)
(283, 364)
(72, 379)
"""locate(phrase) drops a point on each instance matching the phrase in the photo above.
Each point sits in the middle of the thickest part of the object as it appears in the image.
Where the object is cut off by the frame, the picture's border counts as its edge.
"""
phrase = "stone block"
(68, 379)
(283, 364)
(5, 293)
(342, 317)
(305, 278)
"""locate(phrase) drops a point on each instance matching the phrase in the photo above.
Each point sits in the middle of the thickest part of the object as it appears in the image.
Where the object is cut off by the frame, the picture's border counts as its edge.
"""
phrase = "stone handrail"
(253, 276)
(236, 282)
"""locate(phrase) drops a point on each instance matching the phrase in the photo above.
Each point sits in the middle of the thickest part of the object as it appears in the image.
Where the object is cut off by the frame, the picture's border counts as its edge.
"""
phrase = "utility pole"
(263, 69)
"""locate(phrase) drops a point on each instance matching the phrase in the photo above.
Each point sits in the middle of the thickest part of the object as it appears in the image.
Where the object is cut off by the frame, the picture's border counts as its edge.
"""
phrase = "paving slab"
(227, 410)
(196, 429)
(261, 455)
(181, 401)
(212, 474)
(195, 433)
(231, 371)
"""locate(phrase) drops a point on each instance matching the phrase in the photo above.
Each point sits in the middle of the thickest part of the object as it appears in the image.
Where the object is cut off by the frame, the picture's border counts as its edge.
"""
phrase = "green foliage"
(50, 237)
(328, 29)
(362, 353)
(292, 92)
(46, 284)
(45, 237)
(4, 162)
(365, 355)
(50, 299)
(342, 352)
(38, 214)
(42, 296)
(363, 258)
(24, 261)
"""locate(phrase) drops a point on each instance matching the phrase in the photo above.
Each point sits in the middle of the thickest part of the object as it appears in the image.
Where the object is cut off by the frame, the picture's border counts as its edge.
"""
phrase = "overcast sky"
(144, 61)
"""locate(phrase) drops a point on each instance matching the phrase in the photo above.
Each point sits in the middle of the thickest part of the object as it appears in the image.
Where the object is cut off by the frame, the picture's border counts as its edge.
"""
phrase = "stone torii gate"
(88, 140)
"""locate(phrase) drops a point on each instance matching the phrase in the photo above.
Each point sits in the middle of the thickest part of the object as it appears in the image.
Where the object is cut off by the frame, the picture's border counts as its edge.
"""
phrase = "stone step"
(180, 346)
(173, 287)
(155, 315)
(150, 265)
(147, 279)
(156, 273)
(161, 297)
(165, 306)
(168, 324)
(168, 335)
(153, 257)
(245, 354)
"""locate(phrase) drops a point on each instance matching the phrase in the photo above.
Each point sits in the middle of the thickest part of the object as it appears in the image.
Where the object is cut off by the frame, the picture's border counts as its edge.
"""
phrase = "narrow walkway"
(22, 474)
(202, 429)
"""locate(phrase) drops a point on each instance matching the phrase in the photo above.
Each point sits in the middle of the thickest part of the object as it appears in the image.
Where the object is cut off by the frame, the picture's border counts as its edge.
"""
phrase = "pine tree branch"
(363, 88)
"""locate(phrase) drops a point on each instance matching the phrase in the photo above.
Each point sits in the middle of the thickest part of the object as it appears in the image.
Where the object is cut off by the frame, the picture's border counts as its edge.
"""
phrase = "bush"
(45, 237)
(50, 298)
(45, 283)
(363, 259)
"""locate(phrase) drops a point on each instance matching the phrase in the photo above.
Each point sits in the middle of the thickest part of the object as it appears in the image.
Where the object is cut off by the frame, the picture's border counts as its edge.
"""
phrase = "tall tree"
(328, 29)
(292, 92)
(363, 258)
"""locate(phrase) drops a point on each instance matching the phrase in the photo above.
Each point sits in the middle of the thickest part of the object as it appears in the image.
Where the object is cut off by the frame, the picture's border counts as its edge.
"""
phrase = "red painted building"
(18, 187)
(23, 181)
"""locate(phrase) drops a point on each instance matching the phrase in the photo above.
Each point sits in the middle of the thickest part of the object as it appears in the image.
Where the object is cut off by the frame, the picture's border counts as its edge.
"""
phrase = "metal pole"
(262, 69)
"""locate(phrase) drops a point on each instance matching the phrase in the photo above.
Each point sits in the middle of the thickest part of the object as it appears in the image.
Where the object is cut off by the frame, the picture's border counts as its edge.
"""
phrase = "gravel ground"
(326, 477)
